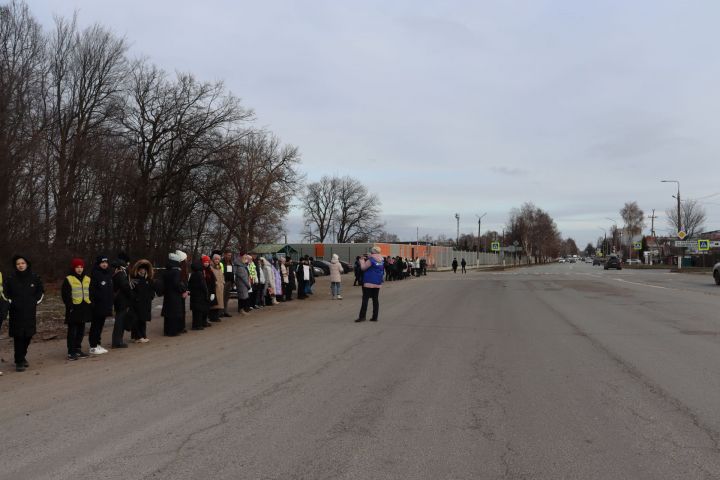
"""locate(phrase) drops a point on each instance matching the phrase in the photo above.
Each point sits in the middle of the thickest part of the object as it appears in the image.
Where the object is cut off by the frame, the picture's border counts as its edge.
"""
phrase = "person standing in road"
(357, 271)
(173, 309)
(217, 270)
(142, 284)
(336, 270)
(24, 291)
(229, 277)
(244, 284)
(463, 264)
(75, 293)
(292, 284)
(454, 265)
(101, 302)
(208, 272)
(373, 267)
(123, 298)
(200, 297)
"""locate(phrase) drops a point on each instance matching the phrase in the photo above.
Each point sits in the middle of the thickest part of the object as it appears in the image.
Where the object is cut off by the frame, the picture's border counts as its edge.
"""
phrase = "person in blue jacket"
(373, 269)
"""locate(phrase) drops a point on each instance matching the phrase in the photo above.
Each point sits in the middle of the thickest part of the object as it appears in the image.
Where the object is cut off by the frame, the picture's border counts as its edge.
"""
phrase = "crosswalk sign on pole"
(495, 246)
(637, 245)
(703, 245)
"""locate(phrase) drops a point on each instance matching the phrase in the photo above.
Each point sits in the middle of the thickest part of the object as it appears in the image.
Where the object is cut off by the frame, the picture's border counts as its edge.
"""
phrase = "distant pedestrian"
(454, 265)
(463, 264)
(101, 302)
(357, 271)
(141, 278)
(243, 284)
(292, 282)
(336, 270)
(373, 266)
(24, 291)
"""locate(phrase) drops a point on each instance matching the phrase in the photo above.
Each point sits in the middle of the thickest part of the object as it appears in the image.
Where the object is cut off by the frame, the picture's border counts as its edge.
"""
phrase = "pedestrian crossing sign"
(495, 246)
(703, 245)
(637, 245)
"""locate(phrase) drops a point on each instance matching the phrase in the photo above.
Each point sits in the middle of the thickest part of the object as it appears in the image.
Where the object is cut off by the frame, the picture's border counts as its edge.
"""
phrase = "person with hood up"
(173, 309)
(373, 272)
(200, 296)
(141, 278)
(243, 283)
(454, 265)
(75, 293)
(270, 281)
(278, 281)
(216, 268)
(101, 302)
(123, 298)
(260, 288)
(24, 292)
(336, 269)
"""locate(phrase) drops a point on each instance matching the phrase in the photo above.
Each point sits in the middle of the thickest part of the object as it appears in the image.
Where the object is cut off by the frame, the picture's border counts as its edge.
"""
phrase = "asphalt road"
(563, 371)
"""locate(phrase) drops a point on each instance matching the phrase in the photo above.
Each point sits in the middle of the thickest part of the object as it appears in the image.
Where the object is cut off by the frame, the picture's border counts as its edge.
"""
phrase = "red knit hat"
(205, 258)
(77, 262)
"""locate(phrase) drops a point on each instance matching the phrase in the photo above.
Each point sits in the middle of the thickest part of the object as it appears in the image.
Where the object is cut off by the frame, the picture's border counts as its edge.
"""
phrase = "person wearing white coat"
(269, 279)
(336, 270)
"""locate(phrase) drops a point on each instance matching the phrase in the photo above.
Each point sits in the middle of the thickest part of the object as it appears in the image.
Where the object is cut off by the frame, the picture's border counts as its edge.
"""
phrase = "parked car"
(323, 265)
(613, 262)
(561, 260)
(633, 261)
(347, 268)
(597, 261)
(716, 273)
(319, 272)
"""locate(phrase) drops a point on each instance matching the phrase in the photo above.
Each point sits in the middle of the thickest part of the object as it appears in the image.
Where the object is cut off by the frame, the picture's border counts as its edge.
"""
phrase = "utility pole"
(652, 223)
(679, 219)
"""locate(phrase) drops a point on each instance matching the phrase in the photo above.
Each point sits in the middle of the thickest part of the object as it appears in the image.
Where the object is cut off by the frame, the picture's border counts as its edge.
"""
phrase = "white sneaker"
(339, 297)
(144, 340)
(95, 351)
(102, 349)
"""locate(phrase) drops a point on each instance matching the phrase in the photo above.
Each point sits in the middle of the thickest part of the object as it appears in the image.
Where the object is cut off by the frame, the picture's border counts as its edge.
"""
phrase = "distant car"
(597, 261)
(561, 260)
(319, 272)
(573, 260)
(590, 260)
(613, 262)
(716, 273)
(633, 261)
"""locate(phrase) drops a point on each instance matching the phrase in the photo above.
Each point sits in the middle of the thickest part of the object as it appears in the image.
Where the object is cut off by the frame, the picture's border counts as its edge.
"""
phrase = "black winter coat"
(101, 291)
(144, 292)
(199, 293)
(24, 290)
(124, 295)
(173, 301)
(74, 314)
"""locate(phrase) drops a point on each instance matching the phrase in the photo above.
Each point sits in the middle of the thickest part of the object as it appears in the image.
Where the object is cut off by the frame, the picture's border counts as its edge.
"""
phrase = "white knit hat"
(178, 256)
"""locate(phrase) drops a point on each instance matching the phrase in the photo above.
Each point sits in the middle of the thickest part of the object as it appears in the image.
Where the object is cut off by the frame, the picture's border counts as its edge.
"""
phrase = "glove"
(212, 297)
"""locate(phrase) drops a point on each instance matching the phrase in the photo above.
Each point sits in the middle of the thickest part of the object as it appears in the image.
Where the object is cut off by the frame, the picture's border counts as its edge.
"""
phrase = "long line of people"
(126, 291)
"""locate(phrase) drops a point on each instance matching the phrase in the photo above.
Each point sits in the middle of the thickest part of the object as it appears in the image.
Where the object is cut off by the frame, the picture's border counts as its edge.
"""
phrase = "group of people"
(463, 265)
(126, 291)
(396, 268)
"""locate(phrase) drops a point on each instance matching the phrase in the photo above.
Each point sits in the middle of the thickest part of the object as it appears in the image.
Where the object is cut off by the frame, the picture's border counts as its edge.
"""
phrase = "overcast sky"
(463, 106)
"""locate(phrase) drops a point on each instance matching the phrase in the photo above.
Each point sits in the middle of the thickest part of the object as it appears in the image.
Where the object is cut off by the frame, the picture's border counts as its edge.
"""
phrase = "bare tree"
(385, 237)
(634, 219)
(319, 204)
(693, 217)
(358, 211)
(535, 230)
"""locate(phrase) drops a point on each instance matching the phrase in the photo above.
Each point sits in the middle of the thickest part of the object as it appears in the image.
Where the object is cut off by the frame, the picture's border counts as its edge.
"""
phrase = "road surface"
(561, 371)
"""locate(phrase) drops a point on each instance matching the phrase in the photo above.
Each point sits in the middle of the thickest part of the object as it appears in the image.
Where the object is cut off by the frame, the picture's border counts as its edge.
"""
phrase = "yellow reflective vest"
(80, 290)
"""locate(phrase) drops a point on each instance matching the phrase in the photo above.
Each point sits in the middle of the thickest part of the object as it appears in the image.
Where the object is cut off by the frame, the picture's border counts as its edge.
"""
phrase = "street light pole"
(480, 217)
(616, 229)
(679, 218)
(457, 237)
